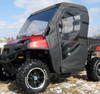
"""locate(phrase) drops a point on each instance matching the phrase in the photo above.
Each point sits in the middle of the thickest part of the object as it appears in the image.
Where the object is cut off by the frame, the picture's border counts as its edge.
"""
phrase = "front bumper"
(6, 58)
(10, 52)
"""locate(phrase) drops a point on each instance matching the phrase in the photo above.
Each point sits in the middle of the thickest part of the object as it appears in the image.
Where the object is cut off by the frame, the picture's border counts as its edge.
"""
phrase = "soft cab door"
(73, 28)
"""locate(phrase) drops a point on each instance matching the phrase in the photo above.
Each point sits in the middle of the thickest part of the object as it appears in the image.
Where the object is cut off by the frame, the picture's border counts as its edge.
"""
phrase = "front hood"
(31, 38)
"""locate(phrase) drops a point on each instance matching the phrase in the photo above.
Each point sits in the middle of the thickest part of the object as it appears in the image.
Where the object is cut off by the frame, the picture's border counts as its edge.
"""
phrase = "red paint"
(35, 38)
(31, 38)
(98, 48)
(35, 41)
(18, 40)
(38, 44)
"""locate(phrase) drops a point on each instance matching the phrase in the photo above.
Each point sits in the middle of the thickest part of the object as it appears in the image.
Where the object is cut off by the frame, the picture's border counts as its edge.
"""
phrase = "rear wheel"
(93, 69)
(33, 77)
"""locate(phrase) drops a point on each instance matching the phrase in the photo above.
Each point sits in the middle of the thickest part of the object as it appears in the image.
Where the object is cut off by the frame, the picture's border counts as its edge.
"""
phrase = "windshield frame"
(43, 10)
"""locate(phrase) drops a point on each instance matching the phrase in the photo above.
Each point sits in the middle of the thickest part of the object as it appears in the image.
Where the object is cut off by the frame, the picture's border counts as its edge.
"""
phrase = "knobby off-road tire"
(93, 69)
(4, 77)
(33, 77)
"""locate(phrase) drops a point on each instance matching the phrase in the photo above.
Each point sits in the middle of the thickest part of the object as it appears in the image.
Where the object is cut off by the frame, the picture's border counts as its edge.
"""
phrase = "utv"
(52, 40)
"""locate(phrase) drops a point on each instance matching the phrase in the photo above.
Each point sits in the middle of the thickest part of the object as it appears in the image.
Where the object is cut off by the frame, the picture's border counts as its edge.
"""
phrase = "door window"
(69, 27)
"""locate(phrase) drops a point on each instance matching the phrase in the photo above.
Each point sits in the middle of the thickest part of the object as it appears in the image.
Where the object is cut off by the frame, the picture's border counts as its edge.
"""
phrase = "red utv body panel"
(98, 48)
(35, 41)
(38, 44)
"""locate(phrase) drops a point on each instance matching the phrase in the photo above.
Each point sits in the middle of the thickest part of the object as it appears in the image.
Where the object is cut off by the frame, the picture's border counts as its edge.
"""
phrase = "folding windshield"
(36, 24)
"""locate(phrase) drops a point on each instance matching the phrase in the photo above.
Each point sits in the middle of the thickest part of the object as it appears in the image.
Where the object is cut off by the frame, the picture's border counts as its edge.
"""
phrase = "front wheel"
(5, 76)
(2, 76)
(33, 77)
(93, 69)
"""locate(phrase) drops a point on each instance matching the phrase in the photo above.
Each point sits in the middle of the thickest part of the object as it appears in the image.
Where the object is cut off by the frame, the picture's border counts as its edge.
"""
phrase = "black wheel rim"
(36, 78)
(98, 70)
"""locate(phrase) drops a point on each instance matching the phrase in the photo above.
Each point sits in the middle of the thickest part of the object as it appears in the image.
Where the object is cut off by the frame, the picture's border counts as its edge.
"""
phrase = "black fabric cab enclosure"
(66, 38)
